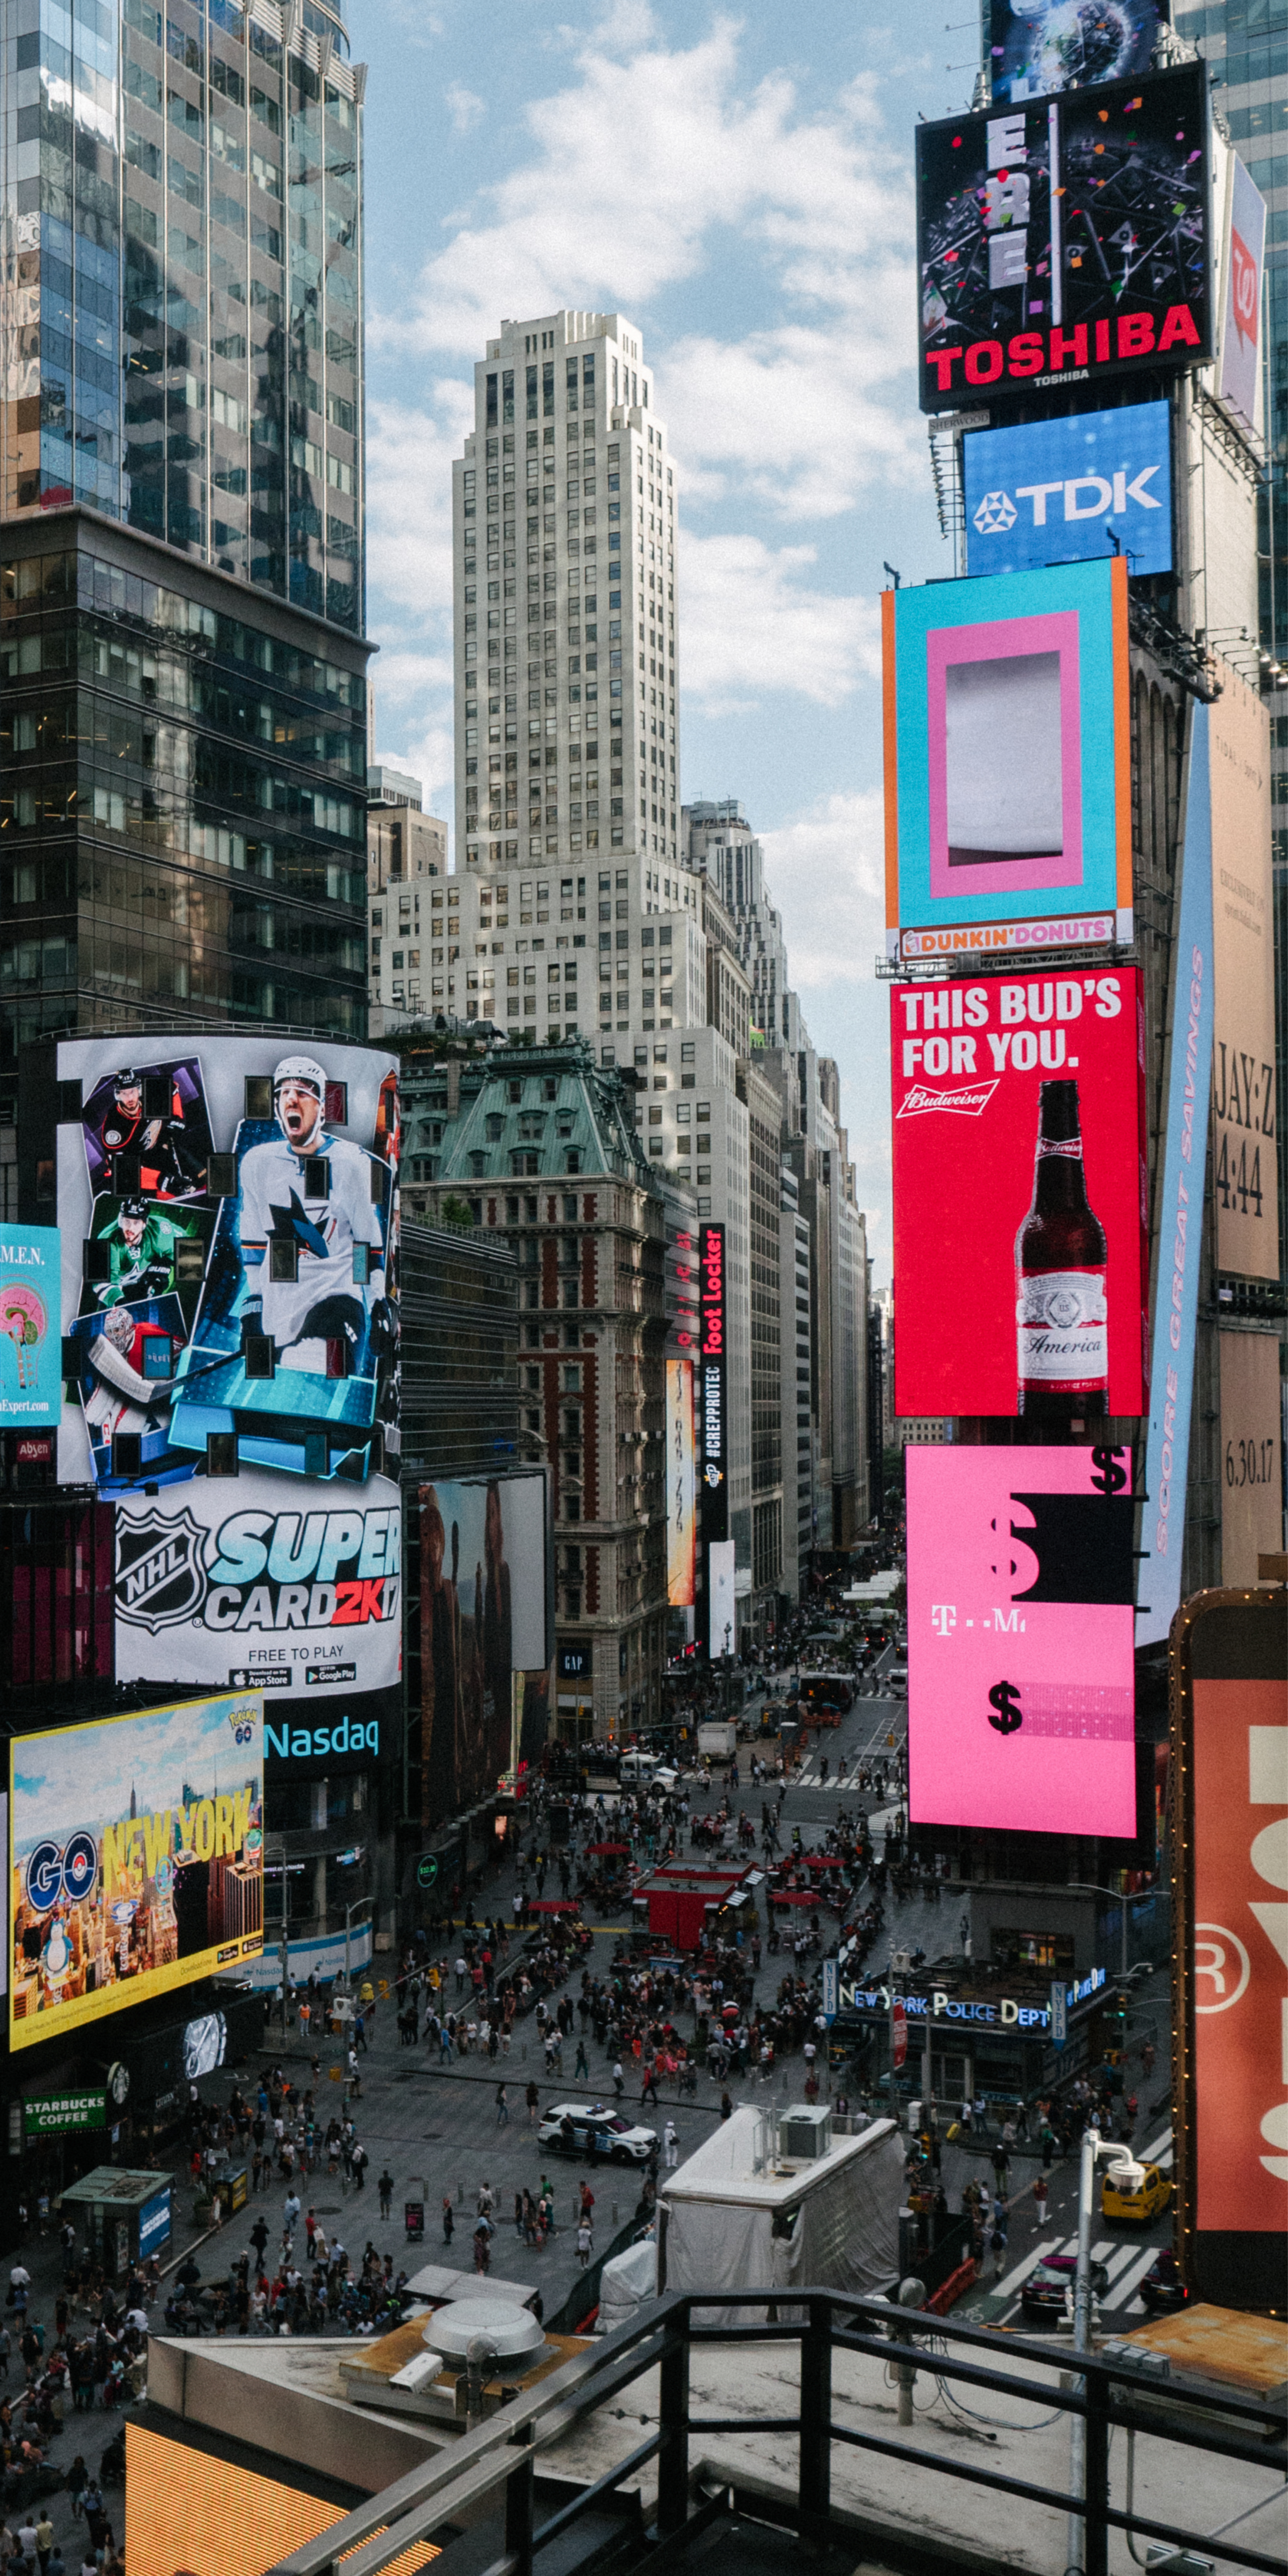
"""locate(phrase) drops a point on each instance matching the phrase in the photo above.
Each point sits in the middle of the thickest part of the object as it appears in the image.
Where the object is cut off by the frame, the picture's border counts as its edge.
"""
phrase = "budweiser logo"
(969, 1102)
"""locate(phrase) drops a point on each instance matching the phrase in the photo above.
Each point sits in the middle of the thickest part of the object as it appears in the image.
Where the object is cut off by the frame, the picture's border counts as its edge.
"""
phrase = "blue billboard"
(31, 1377)
(1063, 491)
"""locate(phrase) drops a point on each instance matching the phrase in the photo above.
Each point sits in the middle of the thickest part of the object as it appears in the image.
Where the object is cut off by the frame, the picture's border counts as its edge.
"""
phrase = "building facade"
(182, 284)
(404, 847)
(565, 603)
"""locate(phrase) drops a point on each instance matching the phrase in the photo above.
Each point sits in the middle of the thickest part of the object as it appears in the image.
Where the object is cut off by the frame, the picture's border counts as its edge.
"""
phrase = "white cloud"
(751, 624)
(409, 496)
(466, 108)
(826, 872)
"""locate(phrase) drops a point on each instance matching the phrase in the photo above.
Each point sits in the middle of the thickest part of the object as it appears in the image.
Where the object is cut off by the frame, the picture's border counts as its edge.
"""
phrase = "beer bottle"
(1060, 1310)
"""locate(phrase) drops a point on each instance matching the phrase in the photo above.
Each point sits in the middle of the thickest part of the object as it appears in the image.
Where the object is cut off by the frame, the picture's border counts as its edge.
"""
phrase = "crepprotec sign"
(1058, 491)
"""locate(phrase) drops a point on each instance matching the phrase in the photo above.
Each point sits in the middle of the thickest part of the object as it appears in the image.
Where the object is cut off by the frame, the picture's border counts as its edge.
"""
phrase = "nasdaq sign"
(1058, 491)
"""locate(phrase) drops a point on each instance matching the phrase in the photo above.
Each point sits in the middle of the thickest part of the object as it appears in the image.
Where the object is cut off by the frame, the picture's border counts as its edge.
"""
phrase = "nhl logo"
(160, 1577)
(996, 513)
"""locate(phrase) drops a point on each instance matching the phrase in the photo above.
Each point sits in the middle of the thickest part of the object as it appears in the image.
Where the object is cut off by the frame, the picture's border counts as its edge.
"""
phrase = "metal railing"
(493, 2466)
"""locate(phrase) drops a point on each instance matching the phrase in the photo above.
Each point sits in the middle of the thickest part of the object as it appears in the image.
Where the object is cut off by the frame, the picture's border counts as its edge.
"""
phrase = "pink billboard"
(1021, 1697)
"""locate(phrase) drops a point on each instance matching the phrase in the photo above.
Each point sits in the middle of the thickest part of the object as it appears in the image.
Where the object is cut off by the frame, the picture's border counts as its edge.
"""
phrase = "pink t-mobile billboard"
(1021, 1698)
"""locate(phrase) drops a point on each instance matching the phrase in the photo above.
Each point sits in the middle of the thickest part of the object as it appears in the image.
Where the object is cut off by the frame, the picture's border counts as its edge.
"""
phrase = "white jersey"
(274, 1208)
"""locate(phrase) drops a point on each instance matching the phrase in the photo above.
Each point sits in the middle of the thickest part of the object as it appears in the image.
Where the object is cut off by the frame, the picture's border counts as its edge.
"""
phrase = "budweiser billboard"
(1229, 1768)
(1021, 1678)
(1019, 1195)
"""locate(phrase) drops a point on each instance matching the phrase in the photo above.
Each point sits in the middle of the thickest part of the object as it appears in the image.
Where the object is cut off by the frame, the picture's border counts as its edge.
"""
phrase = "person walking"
(582, 2066)
(532, 2097)
(1040, 2202)
(502, 2108)
(670, 2146)
(584, 2241)
(449, 2218)
(385, 2187)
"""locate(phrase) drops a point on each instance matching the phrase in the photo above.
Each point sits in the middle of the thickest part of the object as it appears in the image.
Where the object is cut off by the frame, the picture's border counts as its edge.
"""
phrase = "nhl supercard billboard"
(1065, 240)
(228, 1211)
(1019, 1195)
(1021, 1672)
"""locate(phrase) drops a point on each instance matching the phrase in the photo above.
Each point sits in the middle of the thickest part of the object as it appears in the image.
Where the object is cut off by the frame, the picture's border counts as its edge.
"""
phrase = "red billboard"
(1020, 1253)
(1021, 1677)
(1230, 1774)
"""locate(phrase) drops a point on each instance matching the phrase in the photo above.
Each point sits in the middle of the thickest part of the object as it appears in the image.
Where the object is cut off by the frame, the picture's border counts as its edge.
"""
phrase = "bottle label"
(1069, 1147)
(1063, 1324)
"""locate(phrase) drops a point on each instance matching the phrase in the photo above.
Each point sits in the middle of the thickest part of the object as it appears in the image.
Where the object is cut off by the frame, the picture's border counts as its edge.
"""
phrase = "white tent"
(625, 2283)
(732, 2218)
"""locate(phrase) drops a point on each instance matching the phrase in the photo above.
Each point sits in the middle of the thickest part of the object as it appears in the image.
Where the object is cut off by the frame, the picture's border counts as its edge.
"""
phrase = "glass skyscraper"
(182, 192)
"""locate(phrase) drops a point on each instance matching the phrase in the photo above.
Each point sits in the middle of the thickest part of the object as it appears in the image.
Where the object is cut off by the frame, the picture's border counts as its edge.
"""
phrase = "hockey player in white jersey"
(323, 1302)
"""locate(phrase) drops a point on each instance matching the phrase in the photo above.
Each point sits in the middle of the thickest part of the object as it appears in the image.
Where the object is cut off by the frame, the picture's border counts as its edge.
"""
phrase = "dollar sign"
(1112, 1476)
(1005, 1699)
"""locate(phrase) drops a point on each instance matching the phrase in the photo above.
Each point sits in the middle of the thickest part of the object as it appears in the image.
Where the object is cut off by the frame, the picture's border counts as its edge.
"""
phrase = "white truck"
(718, 1736)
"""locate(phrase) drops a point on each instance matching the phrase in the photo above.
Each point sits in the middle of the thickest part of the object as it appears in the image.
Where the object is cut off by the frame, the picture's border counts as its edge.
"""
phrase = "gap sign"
(1058, 491)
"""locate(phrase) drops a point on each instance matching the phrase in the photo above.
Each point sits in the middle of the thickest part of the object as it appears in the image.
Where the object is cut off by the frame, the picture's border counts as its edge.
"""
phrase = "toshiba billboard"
(1230, 1841)
(1019, 1239)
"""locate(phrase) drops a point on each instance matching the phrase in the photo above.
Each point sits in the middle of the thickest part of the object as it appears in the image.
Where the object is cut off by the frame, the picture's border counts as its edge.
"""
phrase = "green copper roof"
(552, 1103)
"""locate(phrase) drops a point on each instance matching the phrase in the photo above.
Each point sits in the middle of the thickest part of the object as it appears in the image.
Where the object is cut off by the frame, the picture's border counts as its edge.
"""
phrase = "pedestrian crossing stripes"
(1119, 2291)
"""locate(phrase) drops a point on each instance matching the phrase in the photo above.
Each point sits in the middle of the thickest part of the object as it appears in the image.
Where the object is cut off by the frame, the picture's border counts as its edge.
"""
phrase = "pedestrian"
(44, 2541)
(532, 2097)
(502, 2108)
(449, 2220)
(619, 2080)
(1040, 2201)
(385, 2187)
(582, 2066)
(358, 2162)
(583, 2241)
(291, 2212)
(670, 2146)
(997, 2242)
(726, 2107)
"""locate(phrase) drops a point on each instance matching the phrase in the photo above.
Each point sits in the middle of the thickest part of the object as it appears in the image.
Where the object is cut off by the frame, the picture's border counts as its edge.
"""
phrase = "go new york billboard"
(1020, 1273)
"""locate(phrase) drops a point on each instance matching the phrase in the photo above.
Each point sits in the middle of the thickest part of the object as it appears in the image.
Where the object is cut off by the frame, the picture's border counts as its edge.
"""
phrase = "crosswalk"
(1126, 2266)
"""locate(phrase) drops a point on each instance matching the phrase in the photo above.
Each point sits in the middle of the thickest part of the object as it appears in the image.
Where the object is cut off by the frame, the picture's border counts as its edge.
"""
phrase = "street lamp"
(1091, 1887)
(1121, 2161)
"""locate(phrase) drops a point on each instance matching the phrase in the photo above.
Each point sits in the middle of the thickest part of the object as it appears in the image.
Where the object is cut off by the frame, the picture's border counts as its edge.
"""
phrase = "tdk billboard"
(1061, 490)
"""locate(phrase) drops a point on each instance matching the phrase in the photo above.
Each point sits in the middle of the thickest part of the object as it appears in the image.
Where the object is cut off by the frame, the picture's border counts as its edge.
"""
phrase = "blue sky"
(740, 186)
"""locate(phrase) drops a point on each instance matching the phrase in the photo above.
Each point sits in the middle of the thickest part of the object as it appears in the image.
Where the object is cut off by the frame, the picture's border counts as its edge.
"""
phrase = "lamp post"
(1091, 1887)
(1119, 2159)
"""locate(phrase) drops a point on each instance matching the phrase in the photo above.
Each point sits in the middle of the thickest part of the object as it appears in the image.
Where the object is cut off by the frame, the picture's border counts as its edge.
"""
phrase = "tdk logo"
(1062, 491)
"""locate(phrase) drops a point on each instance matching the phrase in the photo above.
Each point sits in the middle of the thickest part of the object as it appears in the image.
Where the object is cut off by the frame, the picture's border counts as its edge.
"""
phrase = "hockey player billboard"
(229, 1212)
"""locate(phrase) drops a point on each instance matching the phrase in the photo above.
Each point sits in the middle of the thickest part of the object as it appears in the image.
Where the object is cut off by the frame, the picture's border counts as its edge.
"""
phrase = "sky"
(740, 186)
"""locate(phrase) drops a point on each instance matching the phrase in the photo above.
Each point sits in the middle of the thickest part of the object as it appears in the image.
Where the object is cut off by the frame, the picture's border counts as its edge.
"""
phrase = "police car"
(578, 2130)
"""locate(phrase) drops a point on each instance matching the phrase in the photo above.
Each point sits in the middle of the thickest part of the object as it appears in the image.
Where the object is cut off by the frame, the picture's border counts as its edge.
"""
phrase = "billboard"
(1068, 490)
(1007, 762)
(1037, 46)
(1066, 241)
(182, 2502)
(1021, 1680)
(1251, 1450)
(681, 1519)
(31, 1376)
(137, 1859)
(1019, 1195)
(483, 1619)
(228, 1210)
(1245, 1177)
(1180, 1220)
(1239, 366)
(1229, 1773)
(56, 2115)
(713, 1424)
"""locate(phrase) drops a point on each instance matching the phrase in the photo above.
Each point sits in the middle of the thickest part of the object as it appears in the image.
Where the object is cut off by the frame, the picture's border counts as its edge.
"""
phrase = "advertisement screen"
(1230, 1774)
(181, 2504)
(713, 1433)
(1180, 1224)
(1243, 1067)
(1239, 373)
(681, 1524)
(31, 1374)
(1065, 241)
(228, 1211)
(1019, 1194)
(1071, 489)
(1007, 762)
(137, 1859)
(1251, 1452)
(1042, 45)
(1021, 1678)
(483, 1618)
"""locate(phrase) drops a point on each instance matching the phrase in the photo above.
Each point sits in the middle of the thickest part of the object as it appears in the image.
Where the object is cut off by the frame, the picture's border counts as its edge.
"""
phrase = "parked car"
(576, 2129)
(1043, 2294)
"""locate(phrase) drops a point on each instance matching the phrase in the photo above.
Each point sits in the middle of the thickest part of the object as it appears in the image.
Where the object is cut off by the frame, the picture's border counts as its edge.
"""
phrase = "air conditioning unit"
(804, 2132)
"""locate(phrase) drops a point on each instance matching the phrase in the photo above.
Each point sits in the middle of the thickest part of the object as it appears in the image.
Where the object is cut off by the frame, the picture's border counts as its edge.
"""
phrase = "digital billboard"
(1065, 241)
(1229, 1772)
(1019, 1195)
(228, 1211)
(1251, 1449)
(1180, 1222)
(1008, 762)
(483, 1618)
(1068, 490)
(1041, 45)
(31, 1376)
(1239, 365)
(182, 2503)
(137, 1859)
(1245, 1175)
(681, 1521)
(1021, 1679)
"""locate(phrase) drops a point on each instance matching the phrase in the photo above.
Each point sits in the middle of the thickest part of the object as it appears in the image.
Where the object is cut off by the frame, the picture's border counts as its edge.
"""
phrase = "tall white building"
(565, 609)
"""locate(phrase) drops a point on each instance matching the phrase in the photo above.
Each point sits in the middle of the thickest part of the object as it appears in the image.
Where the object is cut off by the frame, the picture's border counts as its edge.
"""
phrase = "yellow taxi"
(1136, 2195)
